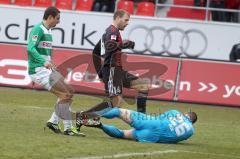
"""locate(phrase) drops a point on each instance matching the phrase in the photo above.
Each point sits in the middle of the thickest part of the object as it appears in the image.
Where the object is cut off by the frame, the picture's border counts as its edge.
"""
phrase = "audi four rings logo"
(165, 45)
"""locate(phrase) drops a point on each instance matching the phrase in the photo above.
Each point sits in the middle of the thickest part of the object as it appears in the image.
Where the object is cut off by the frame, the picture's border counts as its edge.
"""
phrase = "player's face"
(54, 20)
(123, 22)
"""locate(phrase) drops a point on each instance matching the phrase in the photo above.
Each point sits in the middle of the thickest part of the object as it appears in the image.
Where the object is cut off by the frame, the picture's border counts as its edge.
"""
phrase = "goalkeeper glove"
(127, 44)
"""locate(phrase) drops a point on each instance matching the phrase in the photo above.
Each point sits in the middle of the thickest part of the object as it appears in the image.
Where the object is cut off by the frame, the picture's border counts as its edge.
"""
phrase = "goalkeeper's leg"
(117, 133)
(135, 119)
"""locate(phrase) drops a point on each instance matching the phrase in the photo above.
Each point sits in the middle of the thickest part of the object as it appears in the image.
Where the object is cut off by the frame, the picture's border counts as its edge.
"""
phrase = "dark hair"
(192, 116)
(119, 13)
(53, 11)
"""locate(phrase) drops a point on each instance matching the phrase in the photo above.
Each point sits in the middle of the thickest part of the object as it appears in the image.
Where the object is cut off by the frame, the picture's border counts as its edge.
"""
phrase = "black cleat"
(54, 127)
(78, 121)
(95, 122)
(89, 122)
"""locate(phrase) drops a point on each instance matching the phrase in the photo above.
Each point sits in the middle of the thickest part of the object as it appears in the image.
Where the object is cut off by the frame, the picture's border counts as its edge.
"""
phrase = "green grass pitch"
(23, 114)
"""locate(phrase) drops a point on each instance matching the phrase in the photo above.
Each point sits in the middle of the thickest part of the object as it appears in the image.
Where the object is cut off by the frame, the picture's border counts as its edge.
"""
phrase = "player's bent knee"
(125, 115)
(65, 96)
(128, 134)
(116, 101)
(142, 85)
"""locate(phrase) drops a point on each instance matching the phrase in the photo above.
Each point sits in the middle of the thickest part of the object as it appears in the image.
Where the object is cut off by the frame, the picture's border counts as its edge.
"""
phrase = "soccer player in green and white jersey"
(41, 71)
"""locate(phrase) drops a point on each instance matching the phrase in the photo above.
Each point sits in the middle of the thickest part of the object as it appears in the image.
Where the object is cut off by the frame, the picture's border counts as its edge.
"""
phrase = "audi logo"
(149, 36)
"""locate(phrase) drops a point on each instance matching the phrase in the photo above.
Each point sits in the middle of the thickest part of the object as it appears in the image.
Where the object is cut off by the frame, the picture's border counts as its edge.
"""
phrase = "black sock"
(100, 106)
(141, 102)
(98, 110)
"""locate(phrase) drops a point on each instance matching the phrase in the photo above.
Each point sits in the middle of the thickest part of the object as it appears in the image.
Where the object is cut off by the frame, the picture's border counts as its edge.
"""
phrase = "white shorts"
(41, 77)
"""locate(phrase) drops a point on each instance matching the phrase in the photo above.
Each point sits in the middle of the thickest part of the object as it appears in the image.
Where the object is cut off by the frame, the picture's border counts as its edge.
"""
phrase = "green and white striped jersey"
(39, 47)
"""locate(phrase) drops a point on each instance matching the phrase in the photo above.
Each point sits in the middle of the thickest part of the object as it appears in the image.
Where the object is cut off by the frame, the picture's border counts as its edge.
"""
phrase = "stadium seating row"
(84, 5)
(143, 8)
(186, 12)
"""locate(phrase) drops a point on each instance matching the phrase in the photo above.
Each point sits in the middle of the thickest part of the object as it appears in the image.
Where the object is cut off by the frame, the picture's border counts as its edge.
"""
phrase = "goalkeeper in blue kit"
(169, 127)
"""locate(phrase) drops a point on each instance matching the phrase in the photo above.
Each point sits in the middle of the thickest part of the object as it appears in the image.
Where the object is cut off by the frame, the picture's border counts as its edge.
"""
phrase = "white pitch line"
(155, 153)
(211, 154)
(30, 107)
(35, 107)
(129, 154)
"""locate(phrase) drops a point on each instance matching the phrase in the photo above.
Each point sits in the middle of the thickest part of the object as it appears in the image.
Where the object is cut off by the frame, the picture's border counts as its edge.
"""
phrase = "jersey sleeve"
(112, 35)
(33, 42)
(111, 42)
(97, 58)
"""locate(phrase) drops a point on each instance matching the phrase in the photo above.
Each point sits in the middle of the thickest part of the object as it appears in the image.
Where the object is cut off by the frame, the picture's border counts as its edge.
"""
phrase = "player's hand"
(54, 67)
(131, 44)
(48, 65)
(128, 44)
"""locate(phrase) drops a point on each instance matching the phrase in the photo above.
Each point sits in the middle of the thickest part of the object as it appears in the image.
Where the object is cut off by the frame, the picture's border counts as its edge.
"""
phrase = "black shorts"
(115, 78)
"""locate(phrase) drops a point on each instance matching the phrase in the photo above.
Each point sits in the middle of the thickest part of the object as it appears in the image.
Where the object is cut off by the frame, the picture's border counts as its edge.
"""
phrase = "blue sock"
(114, 112)
(112, 131)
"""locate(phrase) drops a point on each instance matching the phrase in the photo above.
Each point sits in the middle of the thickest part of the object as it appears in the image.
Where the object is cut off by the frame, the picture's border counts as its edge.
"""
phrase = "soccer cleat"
(84, 120)
(78, 121)
(54, 127)
(95, 122)
(73, 132)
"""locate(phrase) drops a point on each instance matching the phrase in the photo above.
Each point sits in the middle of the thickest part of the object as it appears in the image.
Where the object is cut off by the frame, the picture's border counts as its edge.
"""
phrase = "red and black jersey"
(110, 49)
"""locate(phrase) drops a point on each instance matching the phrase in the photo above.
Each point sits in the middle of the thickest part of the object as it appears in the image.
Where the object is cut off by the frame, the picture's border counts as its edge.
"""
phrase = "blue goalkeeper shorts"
(147, 127)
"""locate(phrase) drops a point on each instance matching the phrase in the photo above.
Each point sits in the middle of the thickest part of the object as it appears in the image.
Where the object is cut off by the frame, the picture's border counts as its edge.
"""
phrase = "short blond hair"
(120, 13)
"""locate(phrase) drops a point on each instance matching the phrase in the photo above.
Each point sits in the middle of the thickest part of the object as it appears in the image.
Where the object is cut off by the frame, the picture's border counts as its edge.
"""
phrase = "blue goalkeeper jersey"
(169, 127)
(174, 127)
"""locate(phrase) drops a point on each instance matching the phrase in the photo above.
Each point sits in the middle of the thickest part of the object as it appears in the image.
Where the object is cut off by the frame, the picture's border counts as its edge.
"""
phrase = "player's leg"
(54, 82)
(91, 116)
(116, 100)
(41, 77)
(98, 110)
(117, 133)
(144, 125)
(112, 78)
(135, 119)
(52, 123)
(139, 84)
(146, 135)
(141, 135)
(114, 131)
(142, 86)
(64, 92)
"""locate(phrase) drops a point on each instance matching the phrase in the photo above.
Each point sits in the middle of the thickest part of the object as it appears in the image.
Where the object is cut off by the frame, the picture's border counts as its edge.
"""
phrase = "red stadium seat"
(43, 3)
(64, 4)
(145, 9)
(84, 5)
(5, 1)
(23, 2)
(126, 5)
(186, 13)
